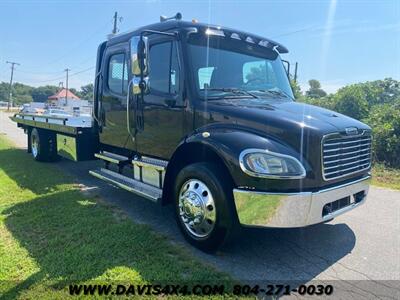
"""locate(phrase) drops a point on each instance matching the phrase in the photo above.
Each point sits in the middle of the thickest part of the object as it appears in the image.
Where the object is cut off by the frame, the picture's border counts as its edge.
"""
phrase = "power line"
(3, 72)
(85, 70)
(31, 72)
(63, 77)
(49, 80)
(115, 30)
(294, 32)
(71, 51)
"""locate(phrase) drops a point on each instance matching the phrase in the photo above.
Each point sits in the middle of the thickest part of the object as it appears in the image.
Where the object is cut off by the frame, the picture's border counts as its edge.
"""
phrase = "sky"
(337, 42)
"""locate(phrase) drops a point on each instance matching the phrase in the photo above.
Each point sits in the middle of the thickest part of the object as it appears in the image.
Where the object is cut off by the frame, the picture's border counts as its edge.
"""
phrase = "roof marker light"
(263, 43)
(210, 31)
(249, 40)
(235, 36)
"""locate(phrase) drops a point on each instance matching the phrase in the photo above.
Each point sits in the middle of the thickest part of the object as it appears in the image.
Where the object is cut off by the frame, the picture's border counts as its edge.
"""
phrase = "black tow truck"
(204, 117)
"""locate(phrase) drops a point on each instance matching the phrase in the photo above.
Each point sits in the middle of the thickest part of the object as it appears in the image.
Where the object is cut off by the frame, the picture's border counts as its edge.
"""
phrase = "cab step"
(134, 186)
(112, 157)
(150, 170)
(149, 162)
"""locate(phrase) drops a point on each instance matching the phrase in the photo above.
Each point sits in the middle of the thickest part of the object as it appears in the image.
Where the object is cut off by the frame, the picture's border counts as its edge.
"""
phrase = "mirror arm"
(142, 84)
(287, 69)
(128, 100)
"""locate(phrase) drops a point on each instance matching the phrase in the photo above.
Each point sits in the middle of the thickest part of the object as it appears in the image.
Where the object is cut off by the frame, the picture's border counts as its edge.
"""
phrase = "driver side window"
(164, 68)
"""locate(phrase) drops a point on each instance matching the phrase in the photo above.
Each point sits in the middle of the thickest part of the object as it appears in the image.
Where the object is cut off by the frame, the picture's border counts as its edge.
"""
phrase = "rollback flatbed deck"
(75, 136)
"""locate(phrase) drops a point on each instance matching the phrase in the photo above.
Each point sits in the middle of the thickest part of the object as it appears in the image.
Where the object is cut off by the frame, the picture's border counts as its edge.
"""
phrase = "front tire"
(43, 145)
(204, 206)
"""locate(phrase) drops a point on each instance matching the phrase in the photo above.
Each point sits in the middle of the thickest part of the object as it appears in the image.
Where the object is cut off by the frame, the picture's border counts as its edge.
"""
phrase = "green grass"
(386, 177)
(51, 234)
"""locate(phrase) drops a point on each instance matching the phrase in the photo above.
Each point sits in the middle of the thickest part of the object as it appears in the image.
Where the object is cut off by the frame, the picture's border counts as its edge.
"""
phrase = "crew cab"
(203, 117)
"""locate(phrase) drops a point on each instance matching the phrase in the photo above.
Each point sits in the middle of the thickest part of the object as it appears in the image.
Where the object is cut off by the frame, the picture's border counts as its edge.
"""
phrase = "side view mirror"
(140, 64)
(139, 55)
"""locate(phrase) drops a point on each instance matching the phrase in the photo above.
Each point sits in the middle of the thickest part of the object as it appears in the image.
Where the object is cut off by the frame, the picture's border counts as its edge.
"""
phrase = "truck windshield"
(228, 68)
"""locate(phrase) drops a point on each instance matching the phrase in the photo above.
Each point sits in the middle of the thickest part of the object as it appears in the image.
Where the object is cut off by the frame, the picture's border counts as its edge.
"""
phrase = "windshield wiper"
(231, 90)
(276, 91)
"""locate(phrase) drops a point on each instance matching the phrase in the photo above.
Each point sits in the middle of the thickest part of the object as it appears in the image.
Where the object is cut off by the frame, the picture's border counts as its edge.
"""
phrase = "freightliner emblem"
(351, 130)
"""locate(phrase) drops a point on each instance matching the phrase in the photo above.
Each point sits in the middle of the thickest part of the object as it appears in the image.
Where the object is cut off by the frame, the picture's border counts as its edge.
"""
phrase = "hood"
(286, 120)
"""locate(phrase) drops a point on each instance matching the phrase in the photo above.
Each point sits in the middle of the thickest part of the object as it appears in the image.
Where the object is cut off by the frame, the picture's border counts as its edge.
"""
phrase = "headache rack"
(343, 155)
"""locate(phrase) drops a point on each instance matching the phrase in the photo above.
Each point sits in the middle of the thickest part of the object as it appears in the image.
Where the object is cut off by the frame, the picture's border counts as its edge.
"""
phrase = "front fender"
(228, 143)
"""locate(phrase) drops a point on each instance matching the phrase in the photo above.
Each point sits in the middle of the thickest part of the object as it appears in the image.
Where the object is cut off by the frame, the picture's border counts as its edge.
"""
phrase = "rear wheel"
(43, 145)
(203, 206)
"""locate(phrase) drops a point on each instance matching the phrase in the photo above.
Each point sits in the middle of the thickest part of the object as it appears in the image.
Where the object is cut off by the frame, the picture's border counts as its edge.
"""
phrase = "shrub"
(351, 101)
(326, 102)
(385, 122)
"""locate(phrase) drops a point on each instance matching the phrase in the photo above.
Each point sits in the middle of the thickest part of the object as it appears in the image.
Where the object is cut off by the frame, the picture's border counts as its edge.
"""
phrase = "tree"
(296, 89)
(385, 122)
(87, 91)
(315, 90)
(4, 91)
(75, 92)
(21, 99)
(21, 93)
(351, 101)
(41, 93)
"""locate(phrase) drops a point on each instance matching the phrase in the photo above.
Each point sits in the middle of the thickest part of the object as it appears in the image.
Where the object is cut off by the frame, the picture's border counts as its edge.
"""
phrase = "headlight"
(264, 163)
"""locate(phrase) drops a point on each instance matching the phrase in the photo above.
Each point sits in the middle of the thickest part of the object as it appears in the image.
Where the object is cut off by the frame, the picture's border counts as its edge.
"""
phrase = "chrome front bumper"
(298, 209)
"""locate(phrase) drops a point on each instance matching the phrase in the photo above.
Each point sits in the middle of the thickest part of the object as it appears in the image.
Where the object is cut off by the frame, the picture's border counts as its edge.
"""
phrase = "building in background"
(60, 98)
(69, 102)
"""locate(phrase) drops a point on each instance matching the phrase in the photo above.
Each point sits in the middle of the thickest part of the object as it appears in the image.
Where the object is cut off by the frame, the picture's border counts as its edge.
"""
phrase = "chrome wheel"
(197, 208)
(35, 145)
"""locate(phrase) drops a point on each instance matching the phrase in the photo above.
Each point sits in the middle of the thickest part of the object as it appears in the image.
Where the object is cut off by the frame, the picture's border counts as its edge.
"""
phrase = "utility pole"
(66, 83)
(115, 29)
(116, 20)
(11, 82)
(295, 72)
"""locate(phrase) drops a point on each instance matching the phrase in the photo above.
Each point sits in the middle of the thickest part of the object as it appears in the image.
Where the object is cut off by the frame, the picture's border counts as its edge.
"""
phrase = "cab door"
(163, 107)
(113, 111)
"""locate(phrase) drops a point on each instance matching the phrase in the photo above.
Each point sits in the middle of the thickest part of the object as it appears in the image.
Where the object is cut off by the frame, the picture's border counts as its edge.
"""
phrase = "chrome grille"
(345, 155)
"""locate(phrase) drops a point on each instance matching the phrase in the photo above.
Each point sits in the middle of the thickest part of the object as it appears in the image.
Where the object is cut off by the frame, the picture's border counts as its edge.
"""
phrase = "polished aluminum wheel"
(35, 145)
(197, 208)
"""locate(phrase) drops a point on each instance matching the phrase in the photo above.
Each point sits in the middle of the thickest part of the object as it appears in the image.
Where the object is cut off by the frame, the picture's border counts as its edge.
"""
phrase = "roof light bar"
(247, 38)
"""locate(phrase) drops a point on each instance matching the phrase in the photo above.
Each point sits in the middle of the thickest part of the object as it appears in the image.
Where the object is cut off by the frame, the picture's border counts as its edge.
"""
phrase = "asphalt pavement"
(359, 252)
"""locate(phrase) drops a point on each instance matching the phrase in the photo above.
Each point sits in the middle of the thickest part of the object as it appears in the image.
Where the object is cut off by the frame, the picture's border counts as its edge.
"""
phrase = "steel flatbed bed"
(68, 124)
(75, 136)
